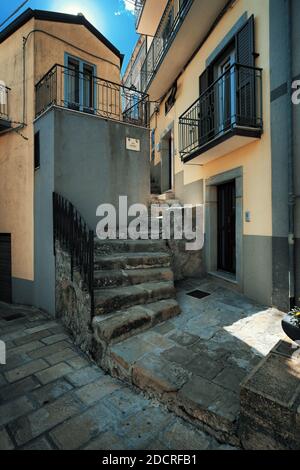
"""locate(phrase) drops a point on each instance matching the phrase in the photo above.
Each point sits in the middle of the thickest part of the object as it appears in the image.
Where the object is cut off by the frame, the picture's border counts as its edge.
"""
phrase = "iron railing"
(76, 238)
(234, 100)
(170, 22)
(4, 94)
(64, 87)
(138, 8)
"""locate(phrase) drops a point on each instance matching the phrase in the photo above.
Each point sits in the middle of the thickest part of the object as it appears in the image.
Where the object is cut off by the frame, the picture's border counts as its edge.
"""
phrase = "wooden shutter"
(246, 77)
(245, 48)
(206, 107)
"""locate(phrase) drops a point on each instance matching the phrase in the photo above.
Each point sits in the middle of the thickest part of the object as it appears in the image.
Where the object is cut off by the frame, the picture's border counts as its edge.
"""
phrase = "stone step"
(128, 277)
(129, 246)
(132, 261)
(110, 329)
(109, 300)
(142, 361)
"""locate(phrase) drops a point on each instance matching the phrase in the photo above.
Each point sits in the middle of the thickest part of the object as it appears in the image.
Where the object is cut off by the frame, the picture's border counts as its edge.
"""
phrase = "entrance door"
(226, 227)
(5, 268)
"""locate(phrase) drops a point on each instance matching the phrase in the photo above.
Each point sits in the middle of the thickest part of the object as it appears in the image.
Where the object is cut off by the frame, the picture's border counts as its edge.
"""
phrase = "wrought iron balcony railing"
(232, 103)
(138, 8)
(79, 91)
(167, 30)
(4, 94)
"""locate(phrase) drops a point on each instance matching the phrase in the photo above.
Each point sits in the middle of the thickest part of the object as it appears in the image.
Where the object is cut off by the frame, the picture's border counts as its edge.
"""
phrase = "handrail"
(235, 65)
(177, 20)
(93, 76)
(104, 98)
(232, 101)
(74, 235)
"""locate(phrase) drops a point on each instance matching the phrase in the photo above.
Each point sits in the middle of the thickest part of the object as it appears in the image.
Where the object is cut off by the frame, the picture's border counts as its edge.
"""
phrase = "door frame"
(224, 210)
(9, 236)
(211, 214)
(164, 154)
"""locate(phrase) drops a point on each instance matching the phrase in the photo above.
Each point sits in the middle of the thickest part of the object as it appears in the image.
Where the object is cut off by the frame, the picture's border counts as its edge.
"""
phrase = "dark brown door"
(226, 227)
(5, 268)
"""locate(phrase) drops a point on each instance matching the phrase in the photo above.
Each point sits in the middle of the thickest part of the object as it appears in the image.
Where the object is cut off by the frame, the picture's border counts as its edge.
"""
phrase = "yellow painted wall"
(16, 153)
(255, 158)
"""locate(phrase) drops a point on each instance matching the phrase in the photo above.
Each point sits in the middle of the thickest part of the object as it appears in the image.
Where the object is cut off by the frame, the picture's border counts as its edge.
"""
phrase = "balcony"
(148, 14)
(227, 116)
(5, 123)
(183, 26)
(86, 93)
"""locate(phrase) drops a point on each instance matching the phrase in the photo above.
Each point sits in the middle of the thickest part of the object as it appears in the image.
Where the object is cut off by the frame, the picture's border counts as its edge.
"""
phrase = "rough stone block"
(12, 391)
(95, 391)
(153, 373)
(26, 370)
(53, 373)
(48, 393)
(5, 441)
(84, 376)
(14, 409)
(81, 429)
(33, 425)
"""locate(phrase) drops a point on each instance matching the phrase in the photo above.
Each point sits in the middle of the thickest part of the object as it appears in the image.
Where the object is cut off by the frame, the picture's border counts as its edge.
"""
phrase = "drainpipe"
(290, 161)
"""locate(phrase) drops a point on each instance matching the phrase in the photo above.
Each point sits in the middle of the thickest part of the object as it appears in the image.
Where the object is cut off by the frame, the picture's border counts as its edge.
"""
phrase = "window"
(152, 145)
(80, 85)
(227, 96)
(37, 158)
(171, 99)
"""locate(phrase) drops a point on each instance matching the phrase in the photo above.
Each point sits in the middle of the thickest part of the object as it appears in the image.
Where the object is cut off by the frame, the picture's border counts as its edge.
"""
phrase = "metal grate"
(198, 294)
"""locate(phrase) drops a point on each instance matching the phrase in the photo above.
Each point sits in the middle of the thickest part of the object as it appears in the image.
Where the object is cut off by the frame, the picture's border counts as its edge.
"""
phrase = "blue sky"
(114, 18)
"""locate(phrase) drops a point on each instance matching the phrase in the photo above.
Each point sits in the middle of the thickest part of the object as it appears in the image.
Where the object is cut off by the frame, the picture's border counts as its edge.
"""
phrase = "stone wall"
(73, 303)
(185, 263)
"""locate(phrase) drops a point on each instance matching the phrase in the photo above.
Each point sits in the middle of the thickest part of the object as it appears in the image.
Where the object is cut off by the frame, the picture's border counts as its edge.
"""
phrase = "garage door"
(5, 268)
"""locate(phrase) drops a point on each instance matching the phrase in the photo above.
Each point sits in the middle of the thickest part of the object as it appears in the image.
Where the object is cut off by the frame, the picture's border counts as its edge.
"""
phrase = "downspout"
(290, 160)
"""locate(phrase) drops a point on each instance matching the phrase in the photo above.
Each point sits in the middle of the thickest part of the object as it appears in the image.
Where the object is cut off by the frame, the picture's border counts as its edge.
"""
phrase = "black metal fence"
(82, 91)
(76, 238)
(233, 100)
(165, 33)
(4, 94)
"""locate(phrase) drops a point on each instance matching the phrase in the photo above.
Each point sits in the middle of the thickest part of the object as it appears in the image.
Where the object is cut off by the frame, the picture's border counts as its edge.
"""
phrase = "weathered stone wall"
(185, 263)
(73, 303)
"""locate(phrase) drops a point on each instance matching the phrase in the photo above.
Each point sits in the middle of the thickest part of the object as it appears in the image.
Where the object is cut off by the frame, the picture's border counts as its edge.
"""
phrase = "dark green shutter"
(206, 107)
(246, 77)
(245, 48)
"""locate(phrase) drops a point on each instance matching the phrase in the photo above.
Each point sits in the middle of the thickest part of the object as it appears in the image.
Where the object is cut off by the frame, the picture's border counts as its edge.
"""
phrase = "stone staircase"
(133, 291)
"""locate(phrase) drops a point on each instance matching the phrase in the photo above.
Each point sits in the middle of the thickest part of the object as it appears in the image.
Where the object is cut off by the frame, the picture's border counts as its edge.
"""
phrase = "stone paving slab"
(81, 407)
(199, 359)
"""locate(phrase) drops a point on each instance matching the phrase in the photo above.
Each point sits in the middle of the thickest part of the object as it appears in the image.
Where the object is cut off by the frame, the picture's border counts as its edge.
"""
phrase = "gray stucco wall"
(92, 165)
(84, 158)
(44, 261)
(280, 102)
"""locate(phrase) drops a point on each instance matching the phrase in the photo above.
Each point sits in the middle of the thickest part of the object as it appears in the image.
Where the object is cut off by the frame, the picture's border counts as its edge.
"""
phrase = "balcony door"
(226, 93)
(80, 85)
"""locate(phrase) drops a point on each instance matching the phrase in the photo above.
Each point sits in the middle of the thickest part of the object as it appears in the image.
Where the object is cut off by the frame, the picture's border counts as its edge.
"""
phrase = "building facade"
(62, 116)
(220, 135)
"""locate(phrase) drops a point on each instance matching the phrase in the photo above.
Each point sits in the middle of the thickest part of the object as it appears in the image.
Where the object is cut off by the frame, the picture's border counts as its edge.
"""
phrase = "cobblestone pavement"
(53, 397)
(203, 355)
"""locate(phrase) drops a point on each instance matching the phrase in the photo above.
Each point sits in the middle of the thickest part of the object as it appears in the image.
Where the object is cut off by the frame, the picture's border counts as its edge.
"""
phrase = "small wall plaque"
(133, 144)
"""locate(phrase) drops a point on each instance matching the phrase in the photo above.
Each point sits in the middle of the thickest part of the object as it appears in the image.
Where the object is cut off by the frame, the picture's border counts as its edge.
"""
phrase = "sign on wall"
(133, 144)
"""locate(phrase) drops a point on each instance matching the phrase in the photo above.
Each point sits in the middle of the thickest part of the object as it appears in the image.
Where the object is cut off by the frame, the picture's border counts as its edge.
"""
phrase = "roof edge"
(45, 15)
